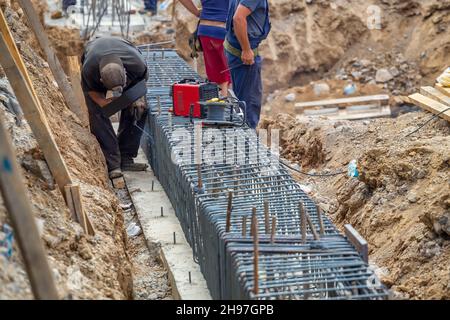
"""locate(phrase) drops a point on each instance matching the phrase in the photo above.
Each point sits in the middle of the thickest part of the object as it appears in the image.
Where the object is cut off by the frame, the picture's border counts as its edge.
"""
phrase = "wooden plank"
(83, 219)
(430, 105)
(321, 112)
(357, 241)
(9, 40)
(345, 115)
(20, 212)
(383, 98)
(52, 59)
(435, 94)
(69, 200)
(36, 119)
(75, 79)
(174, 9)
(443, 89)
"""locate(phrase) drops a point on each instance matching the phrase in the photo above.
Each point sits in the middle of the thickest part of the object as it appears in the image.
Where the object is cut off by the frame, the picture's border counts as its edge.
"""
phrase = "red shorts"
(215, 60)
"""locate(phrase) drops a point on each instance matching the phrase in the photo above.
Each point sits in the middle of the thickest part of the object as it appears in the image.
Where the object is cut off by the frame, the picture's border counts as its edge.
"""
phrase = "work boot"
(128, 164)
(114, 174)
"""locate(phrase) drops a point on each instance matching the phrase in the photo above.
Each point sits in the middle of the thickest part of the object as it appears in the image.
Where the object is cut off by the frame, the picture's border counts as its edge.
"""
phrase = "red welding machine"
(189, 92)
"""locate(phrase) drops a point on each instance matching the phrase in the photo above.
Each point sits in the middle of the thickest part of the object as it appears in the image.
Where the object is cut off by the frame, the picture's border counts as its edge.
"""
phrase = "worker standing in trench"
(111, 65)
(211, 33)
(247, 26)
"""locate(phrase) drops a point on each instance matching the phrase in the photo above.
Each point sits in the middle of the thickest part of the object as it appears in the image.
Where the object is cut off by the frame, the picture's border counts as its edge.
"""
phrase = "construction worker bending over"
(248, 24)
(111, 65)
(211, 33)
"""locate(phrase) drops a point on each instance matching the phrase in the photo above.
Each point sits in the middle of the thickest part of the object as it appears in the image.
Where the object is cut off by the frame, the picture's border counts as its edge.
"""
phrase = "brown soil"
(85, 267)
(400, 203)
(324, 39)
(310, 40)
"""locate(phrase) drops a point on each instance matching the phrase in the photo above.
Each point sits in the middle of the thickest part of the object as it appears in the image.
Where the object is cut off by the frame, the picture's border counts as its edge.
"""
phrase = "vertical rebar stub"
(303, 221)
(319, 215)
(229, 207)
(255, 253)
(244, 226)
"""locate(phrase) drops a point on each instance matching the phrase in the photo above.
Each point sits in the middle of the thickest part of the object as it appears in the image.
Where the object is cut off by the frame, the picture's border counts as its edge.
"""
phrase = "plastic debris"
(6, 240)
(353, 169)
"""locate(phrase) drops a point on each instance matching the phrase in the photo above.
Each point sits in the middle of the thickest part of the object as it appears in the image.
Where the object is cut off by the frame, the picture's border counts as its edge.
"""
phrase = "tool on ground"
(189, 92)
(222, 112)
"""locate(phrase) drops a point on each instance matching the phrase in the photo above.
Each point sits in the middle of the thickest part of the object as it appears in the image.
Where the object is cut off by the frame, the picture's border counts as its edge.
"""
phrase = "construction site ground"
(400, 203)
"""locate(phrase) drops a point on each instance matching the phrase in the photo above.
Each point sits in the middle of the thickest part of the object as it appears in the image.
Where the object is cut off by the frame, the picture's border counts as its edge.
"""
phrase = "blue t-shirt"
(258, 22)
(214, 10)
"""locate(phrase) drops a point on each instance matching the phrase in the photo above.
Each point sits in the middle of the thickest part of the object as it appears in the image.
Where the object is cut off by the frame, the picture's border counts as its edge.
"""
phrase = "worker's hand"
(248, 57)
(139, 107)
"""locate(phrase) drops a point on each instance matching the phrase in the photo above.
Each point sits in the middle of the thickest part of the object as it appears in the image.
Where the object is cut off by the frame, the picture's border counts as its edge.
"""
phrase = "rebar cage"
(214, 202)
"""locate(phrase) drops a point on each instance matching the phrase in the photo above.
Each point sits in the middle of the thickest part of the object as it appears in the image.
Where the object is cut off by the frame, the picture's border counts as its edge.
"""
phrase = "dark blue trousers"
(247, 85)
(151, 5)
(68, 3)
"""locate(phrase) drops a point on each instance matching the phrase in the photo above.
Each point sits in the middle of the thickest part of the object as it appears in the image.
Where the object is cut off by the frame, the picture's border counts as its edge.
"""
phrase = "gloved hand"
(139, 107)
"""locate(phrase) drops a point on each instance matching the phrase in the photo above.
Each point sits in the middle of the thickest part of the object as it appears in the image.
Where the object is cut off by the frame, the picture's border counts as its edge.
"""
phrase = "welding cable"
(145, 133)
(313, 174)
(426, 122)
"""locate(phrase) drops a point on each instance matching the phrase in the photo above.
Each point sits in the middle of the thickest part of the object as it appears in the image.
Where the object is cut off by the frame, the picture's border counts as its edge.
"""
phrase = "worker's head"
(112, 75)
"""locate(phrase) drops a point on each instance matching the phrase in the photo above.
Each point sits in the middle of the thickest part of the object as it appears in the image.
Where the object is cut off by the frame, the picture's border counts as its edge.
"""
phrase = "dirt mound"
(400, 203)
(307, 40)
(84, 267)
(349, 39)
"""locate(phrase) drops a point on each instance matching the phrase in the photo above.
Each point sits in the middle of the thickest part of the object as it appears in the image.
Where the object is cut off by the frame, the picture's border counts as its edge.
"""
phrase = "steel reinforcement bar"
(253, 231)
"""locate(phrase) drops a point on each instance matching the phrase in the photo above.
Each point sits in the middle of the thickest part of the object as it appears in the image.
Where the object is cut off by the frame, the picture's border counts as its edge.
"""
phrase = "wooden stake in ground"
(55, 66)
(31, 109)
(14, 68)
(75, 79)
(20, 212)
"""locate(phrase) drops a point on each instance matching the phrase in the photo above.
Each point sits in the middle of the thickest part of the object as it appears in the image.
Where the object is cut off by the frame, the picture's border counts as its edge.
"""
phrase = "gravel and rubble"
(401, 201)
(109, 265)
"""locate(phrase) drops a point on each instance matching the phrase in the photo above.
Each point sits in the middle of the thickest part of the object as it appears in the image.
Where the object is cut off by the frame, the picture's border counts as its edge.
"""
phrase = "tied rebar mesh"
(214, 201)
